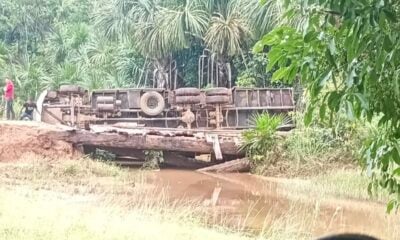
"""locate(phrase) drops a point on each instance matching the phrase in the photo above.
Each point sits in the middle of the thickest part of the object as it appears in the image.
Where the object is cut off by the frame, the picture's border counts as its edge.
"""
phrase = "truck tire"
(187, 100)
(51, 94)
(152, 103)
(217, 92)
(217, 99)
(187, 92)
(71, 89)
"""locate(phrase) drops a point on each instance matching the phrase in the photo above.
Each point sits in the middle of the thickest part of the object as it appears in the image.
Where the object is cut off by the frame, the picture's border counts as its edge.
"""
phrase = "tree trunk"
(240, 165)
(161, 73)
(224, 71)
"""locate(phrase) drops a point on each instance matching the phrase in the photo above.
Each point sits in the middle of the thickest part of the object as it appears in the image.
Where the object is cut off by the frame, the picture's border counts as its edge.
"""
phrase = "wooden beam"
(145, 142)
(240, 165)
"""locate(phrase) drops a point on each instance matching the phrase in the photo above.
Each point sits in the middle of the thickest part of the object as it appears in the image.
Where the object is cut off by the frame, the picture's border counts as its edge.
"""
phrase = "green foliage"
(319, 143)
(153, 159)
(245, 80)
(120, 43)
(103, 155)
(61, 47)
(315, 149)
(259, 141)
(228, 34)
(348, 57)
(251, 68)
(252, 73)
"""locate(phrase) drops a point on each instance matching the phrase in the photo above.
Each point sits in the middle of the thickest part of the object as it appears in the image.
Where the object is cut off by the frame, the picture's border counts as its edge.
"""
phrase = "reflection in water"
(257, 204)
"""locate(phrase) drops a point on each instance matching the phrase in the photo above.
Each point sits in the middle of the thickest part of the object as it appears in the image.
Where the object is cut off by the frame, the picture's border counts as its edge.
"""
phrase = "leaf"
(396, 83)
(332, 47)
(310, 36)
(315, 90)
(280, 74)
(334, 100)
(396, 154)
(292, 74)
(272, 38)
(324, 78)
(308, 116)
(380, 60)
(350, 78)
(350, 110)
(396, 172)
(387, 44)
(390, 15)
(322, 112)
(390, 206)
(258, 47)
(363, 100)
(273, 57)
(331, 59)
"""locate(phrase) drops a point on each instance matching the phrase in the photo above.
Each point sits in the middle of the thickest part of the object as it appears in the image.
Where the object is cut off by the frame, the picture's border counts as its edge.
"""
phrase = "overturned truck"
(191, 121)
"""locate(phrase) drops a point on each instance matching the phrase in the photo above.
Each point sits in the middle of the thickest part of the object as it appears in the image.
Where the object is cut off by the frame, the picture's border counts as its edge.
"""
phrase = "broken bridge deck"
(220, 143)
(216, 142)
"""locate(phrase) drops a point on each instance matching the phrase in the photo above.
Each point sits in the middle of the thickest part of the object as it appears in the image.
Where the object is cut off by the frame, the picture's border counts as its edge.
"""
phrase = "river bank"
(84, 199)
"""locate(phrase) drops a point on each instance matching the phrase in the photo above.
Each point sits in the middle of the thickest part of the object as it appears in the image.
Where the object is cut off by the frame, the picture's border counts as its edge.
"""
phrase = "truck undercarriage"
(187, 120)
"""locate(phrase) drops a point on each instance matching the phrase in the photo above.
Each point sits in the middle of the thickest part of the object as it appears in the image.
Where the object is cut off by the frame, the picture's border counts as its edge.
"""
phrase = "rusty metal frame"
(54, 116)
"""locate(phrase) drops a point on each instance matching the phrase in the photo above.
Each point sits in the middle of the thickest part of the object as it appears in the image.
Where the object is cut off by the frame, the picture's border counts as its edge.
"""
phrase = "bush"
(311, 150)
(258, 142)
(246, 81)
(153, 159)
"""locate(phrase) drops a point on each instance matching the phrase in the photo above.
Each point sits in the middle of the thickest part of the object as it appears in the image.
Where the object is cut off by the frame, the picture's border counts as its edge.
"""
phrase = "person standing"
(9, 98)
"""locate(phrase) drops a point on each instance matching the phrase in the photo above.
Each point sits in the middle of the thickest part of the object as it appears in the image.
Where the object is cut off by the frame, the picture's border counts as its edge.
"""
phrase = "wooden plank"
(240, 165)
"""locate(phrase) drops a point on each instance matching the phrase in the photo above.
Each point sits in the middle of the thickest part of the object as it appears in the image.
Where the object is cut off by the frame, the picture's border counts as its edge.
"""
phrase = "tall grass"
(44, 217)
(92, 200)
(343, 184)
(311, 150)
(87, 199)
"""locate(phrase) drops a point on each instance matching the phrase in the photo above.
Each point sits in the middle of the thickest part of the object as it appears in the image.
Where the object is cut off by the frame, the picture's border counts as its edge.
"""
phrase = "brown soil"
(22, 140)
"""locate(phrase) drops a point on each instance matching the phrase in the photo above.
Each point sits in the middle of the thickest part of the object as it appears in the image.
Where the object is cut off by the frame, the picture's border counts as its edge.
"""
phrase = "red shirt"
(9, 91)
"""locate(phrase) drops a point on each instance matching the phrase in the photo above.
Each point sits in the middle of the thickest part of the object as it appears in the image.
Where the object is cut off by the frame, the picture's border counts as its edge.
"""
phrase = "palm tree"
(235, 25)
(158, 31)
(227, 36)
(118, 18)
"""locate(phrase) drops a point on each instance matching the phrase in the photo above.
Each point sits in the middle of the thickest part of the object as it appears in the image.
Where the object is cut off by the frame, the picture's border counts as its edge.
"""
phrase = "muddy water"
(257, 204)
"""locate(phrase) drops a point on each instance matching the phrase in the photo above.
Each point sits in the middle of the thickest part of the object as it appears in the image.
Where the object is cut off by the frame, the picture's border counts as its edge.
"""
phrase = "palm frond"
(262, 17)
(171, 30)
(228, 35)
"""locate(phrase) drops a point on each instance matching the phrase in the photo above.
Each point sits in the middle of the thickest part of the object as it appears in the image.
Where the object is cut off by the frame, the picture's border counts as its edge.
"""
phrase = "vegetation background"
(120, 43)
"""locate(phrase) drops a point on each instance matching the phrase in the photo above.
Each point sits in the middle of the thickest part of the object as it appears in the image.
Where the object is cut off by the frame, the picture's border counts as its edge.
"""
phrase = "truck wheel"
(152, 103)
(51, 94)
(187, 100)
(71, 89)
(217, 99)
(217, 92)
(187, 92)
